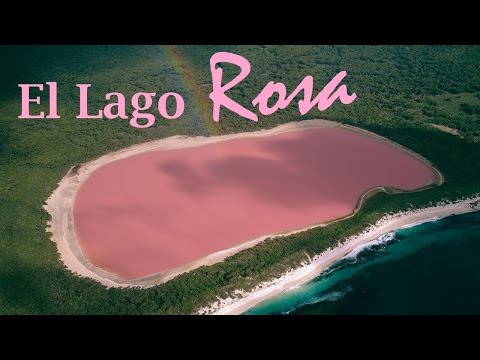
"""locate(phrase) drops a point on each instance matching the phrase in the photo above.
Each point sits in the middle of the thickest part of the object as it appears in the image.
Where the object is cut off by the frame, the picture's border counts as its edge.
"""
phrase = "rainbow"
(202, 116)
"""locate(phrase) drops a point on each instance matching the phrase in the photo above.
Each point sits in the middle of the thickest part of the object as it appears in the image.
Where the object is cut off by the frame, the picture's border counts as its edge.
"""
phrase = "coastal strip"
(243, 301)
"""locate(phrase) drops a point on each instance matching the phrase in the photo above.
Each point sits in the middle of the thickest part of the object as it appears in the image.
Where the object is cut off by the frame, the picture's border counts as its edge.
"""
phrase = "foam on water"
(382, 240)
(436, 218)
(407, 276)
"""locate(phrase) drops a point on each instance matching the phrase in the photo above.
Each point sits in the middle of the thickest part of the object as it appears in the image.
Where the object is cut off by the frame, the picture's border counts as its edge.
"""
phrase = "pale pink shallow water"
(160, 210)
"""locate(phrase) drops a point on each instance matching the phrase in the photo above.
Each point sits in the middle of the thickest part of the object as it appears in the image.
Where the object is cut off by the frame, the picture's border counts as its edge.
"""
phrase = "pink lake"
(160, 210)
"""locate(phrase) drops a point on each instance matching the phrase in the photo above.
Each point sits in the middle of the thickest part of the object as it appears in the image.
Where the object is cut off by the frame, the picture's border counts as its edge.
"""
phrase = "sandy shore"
(60, 204)
(447, 129)
(244, 301)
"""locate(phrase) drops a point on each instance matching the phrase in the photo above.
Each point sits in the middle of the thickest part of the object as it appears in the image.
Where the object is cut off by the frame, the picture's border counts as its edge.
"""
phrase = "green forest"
(402, 91)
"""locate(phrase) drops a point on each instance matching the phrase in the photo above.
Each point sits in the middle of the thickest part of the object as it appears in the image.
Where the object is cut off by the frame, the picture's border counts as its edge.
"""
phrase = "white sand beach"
(244, 301)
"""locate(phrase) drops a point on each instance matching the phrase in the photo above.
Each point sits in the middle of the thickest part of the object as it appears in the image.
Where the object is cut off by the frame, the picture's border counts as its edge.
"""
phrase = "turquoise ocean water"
(430, 268)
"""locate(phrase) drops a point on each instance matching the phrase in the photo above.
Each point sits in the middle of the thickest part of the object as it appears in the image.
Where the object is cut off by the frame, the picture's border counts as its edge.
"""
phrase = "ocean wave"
(436, 218)
(331, 296)
(353, 255)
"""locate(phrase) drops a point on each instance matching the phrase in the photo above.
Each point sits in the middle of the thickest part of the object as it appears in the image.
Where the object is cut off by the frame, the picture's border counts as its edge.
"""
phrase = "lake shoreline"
(61, 202)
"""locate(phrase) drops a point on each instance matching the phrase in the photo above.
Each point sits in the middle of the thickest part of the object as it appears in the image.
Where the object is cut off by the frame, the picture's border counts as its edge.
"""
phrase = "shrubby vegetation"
(401, 91)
